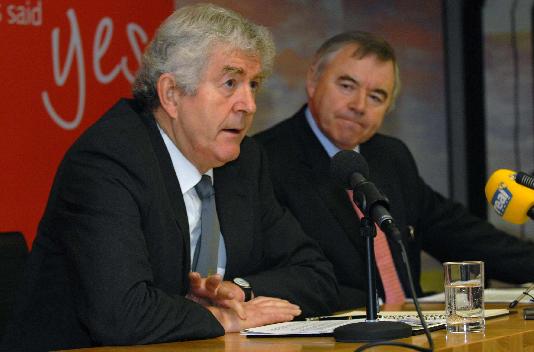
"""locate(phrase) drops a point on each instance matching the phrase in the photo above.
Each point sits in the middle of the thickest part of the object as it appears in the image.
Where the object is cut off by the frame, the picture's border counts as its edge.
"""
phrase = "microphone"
(351, 171)
(511, 196)
(525, 179)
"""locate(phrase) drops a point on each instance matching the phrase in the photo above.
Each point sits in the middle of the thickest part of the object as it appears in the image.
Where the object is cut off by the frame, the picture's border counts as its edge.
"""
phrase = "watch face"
(241, 282)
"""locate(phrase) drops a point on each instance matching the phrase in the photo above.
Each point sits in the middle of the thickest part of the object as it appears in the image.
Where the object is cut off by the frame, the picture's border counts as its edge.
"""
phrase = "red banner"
(63, 63)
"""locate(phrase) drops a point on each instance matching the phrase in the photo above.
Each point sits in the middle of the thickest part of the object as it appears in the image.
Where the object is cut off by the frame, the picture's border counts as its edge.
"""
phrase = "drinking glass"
(464, 296)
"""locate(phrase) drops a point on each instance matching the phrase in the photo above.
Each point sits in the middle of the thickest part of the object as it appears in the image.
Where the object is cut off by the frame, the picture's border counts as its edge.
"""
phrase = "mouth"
(350, 122)
(234, 131)
(348, 118)
(353, 120)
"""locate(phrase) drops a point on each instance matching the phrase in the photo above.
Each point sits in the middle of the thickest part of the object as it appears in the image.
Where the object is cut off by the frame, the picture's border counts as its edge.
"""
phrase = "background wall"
(49, 97)
(414, 29)
(63, 64)
(507, 29)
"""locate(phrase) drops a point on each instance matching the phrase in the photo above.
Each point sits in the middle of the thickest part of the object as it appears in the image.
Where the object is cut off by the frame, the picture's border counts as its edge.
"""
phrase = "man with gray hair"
(162, 224)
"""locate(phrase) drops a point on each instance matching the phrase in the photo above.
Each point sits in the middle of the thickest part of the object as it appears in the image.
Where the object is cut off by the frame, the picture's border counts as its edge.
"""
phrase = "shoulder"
(385, 142)
(116, 145)
(250, 149)
(111, 163)
(389, 155)
(282, 147)
(286, 139)
(284, 131)
(123, 117)
(119, 133)
(387, 147)
(280, 131)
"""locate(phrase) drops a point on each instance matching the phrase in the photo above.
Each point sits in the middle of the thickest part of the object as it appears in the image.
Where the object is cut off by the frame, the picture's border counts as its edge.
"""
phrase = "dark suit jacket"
(110, 262)
(300, 174)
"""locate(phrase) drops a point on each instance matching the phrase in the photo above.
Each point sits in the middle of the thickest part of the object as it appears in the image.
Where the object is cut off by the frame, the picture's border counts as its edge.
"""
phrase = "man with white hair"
(135, 245)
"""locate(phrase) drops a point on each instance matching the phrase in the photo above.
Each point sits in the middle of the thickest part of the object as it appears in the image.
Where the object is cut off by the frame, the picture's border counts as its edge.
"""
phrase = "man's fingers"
(195, 280)
(258, 311)
(274, 302)
(224, 292)
(238, 308)
(212, 282)
(268, 310)
(275, 307)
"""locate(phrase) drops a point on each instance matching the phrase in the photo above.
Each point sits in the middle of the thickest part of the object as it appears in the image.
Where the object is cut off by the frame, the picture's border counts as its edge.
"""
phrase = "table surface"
(507, 333)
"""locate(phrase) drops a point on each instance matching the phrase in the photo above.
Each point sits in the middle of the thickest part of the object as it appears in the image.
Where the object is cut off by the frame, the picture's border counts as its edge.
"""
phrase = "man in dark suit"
(125, 223)
(351, 85)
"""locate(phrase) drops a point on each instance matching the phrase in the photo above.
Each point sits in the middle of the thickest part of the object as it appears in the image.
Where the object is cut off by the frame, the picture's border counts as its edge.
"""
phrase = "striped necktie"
(384, 262)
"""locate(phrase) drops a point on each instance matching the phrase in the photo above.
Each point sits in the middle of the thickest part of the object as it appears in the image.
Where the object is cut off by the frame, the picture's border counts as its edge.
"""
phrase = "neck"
(164, 121)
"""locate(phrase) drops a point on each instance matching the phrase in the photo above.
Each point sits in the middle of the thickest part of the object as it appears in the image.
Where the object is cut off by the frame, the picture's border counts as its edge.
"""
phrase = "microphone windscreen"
(344, 164)
(509, 199)
(525, 179)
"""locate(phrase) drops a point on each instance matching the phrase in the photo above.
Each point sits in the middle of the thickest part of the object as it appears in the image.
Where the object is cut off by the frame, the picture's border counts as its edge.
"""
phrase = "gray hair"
(183, 44)
(368, 44)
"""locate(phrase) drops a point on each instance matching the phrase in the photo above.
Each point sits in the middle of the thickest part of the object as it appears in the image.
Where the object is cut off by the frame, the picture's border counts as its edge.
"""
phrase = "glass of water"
(464, 296)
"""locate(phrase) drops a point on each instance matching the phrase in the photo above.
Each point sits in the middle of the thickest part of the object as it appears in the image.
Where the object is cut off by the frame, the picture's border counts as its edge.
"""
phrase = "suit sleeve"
(98, 222)
(450, 233)
(295, 267)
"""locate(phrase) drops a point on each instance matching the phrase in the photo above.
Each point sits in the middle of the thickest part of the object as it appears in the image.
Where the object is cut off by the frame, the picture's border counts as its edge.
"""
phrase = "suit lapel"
(316, 168)
(172, 185)
(234, 208)
(380, 169)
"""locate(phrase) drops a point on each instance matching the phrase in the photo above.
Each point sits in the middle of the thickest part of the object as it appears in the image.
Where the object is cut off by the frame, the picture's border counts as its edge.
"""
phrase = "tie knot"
(204, 187)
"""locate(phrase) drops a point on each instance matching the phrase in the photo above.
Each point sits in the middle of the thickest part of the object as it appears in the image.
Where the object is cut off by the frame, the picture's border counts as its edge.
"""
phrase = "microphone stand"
(368, 231)
(371, 329)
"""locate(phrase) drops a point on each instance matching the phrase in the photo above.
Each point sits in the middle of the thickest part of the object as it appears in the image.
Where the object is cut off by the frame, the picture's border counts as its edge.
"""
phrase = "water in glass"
(465, 306)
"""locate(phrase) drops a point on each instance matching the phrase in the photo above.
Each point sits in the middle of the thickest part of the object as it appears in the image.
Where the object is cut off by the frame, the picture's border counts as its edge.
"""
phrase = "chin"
(351, 139)
(228, 155)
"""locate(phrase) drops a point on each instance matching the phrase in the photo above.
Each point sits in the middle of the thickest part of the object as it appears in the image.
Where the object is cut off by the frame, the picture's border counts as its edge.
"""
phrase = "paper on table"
(431, 316)
(324, 327)
(298, 328)
(491, 295)
(321, 326)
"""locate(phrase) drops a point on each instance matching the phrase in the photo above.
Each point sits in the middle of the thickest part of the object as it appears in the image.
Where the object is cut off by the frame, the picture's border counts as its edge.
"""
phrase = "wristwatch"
(245, 286)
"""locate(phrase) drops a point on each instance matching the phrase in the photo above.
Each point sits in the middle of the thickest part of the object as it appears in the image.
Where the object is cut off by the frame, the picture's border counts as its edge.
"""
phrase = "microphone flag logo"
(501, 199)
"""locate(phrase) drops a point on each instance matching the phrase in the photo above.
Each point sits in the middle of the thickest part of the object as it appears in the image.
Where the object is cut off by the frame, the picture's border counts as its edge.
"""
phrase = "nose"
(246, 100)
(358, 103)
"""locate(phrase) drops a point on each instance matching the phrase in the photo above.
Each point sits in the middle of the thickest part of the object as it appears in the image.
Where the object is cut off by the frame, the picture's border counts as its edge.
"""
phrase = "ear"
(311, 81)
(167, 90)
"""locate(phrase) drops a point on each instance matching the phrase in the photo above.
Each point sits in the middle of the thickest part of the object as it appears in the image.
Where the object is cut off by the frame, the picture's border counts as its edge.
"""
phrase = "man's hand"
(259, 311)
(213, 291)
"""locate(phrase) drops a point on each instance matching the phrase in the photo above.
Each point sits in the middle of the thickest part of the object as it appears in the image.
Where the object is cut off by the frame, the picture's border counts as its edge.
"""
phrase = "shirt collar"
(188, 175)
(328, 146)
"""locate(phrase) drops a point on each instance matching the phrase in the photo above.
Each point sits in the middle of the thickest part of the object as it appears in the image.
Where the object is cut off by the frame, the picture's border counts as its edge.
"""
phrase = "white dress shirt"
(188, 177)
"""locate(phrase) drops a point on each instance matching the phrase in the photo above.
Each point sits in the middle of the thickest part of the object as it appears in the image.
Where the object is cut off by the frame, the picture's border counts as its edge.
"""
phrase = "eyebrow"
(233, 69)
(239, 71)
(356, 82)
